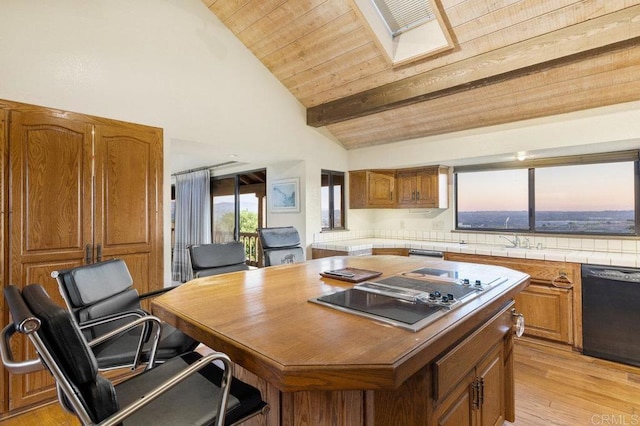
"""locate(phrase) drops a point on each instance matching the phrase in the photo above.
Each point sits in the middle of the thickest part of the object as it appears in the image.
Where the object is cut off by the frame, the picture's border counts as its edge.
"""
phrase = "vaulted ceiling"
(512, 60)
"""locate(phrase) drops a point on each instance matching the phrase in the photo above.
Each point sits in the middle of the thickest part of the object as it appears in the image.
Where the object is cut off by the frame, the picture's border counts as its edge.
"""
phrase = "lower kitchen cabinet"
(548, 312)
(479, 398)
(551, 304)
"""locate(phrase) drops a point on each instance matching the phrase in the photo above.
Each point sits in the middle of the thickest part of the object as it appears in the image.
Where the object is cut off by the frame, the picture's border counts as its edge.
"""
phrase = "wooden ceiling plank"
(351, 65)
(322, 82)
(208, 3)
(560, 23)
(514, 15)
(306, 24)
(329, 41)
(284, 17)
(524, 57)
(251, 13)
(464, 12)
(224, 9)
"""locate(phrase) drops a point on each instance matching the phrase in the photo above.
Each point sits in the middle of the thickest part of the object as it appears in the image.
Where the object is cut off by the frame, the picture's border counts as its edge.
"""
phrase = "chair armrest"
(156, 292)
(15, 367)
(144, 322)
(225, 388)
(113, 317)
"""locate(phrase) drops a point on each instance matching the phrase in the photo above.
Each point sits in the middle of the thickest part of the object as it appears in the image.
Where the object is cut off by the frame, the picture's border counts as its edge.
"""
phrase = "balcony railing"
(252, 248)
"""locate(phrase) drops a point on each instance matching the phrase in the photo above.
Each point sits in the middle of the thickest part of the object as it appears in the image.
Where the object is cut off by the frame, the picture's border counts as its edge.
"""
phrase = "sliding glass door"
(238, 209)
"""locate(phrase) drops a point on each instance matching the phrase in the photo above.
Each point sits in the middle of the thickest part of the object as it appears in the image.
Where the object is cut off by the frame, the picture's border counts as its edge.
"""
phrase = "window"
(493, 200)
(585, 199)
(401, 16)
(238, 205)
(332, 200)
(591, 195)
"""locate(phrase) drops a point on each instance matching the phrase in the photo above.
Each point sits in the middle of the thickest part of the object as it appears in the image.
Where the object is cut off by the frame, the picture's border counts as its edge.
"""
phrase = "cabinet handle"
(518, 322)
(87, 254)
(99, 254)
(562, 281)
(413, 195)
(418, 195)
(474, 395)
(480, 391)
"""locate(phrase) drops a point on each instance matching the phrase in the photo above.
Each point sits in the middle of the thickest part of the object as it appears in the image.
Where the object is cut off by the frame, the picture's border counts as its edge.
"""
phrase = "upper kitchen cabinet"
(81, 189)
(372, 189)
(424, 187)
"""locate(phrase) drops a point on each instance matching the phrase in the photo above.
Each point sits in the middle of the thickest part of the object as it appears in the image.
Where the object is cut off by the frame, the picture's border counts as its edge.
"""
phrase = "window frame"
(532, 165)
(330, 179)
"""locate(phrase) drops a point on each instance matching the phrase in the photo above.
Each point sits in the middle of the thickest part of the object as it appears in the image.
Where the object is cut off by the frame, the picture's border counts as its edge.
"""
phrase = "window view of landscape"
(223, 216)
(576, 199)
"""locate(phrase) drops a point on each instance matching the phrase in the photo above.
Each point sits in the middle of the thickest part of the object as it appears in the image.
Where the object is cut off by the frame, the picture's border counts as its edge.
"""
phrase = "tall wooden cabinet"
(81, 189)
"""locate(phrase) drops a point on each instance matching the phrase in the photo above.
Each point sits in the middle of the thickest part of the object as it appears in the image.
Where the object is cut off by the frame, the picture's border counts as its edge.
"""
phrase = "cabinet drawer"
(457, 363)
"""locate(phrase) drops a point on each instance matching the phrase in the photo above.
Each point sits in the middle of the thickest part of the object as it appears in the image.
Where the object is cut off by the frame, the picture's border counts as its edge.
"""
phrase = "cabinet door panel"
(491, 372)
(128, 216)
(381, 187)
(547, 312)
(406, 188)
(427, 188)
(50, 186)
(457, 409)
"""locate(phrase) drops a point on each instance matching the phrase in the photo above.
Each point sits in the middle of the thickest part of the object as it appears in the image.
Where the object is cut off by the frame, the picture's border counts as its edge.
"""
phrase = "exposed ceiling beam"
(609, 33)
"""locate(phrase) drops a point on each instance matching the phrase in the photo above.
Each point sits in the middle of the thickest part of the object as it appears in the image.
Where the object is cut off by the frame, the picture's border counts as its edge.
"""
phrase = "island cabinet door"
(479, 399)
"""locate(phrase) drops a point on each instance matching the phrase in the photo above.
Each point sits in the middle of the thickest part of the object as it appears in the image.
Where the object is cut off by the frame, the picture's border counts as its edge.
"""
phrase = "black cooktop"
(409, 300)
(381, 306)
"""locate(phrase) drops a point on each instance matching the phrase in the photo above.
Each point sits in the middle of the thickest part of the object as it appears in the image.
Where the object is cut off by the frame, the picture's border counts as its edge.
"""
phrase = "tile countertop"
(365, 245)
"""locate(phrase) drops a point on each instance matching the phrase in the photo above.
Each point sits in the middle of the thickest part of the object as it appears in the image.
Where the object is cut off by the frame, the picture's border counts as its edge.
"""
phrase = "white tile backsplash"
(582, 250)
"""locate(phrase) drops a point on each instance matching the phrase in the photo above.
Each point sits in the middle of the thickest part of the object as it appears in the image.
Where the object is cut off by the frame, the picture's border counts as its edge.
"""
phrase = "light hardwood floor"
(553, 387)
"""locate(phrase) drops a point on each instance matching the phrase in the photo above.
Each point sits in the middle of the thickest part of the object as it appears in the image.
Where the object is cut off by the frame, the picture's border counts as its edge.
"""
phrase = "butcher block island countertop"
(318, 365)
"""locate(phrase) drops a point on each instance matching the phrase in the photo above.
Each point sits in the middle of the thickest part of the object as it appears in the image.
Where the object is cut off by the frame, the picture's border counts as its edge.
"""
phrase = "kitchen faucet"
(515, 242)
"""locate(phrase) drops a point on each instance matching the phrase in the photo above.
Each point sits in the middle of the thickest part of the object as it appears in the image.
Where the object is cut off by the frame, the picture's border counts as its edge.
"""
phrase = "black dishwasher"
(611, 313)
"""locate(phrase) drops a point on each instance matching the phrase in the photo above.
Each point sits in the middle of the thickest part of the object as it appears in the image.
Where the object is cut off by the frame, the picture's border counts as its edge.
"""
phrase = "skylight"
(403, 15)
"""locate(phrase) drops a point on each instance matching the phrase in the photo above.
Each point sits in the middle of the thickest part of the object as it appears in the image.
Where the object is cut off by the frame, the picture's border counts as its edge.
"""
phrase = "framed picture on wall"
(284, 196)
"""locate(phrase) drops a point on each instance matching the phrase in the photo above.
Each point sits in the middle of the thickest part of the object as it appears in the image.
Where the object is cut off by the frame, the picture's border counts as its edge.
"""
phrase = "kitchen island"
(317, 365)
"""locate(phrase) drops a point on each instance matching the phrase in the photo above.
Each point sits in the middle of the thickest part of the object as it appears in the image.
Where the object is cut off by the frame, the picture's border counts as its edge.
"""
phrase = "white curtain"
(192, 221)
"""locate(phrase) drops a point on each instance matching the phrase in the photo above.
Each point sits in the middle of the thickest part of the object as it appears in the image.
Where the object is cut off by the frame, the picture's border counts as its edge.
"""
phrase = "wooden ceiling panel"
(604, 81)
(342, 34)
(511, 52)
(276, 26)
(279, 37)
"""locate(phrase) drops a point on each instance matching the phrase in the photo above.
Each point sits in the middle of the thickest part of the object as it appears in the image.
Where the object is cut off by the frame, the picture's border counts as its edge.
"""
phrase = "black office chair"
(214, 259)
(101, 297)
(280, 245)
(168, 394)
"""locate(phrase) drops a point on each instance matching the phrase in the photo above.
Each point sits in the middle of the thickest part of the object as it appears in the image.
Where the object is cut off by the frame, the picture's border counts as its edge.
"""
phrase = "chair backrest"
(98, 290)
(213, 259)
(280, 245)
(63, 349)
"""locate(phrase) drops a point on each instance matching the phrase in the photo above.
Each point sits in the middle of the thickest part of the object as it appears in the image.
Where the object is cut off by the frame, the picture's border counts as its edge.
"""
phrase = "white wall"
(170, 64)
